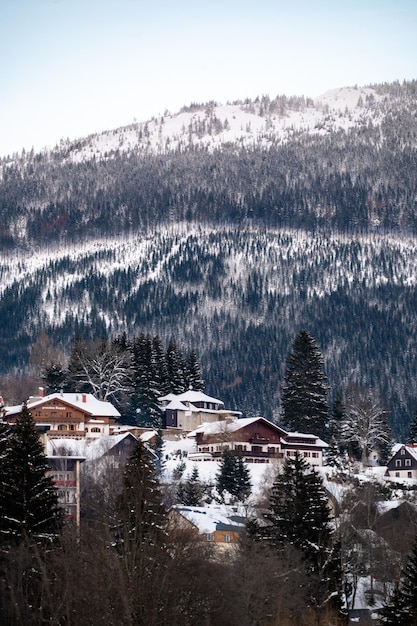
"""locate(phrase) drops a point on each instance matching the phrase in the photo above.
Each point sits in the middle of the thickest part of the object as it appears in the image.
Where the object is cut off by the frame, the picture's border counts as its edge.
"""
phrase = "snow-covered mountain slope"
(237, 297)
(242, 123)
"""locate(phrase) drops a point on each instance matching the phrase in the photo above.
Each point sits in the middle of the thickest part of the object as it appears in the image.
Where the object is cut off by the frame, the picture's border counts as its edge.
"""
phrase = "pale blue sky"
(74, 67)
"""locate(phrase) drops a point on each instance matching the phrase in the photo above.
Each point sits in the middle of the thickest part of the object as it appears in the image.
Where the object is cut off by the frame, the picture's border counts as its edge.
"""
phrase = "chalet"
(69, 415)
(190, 409)
(256, 439)
(221, 525)
(403, 463)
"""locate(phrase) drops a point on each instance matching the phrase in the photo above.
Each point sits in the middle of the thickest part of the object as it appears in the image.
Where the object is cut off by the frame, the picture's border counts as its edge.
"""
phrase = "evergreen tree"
(160, 367)
(233, 477)
(177, 369)
(412, 433)
(158, 448)
(304, 397)
(147, 389)
(140, 517)
(29, 500)
(194, 375)
(333, 452)
(191, 491)
(402, 608)
(299, 515)
(54, 378)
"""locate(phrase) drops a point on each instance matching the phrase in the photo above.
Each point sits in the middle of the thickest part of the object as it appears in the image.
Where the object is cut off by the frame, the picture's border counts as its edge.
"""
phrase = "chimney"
(84, 397)
(40, 392)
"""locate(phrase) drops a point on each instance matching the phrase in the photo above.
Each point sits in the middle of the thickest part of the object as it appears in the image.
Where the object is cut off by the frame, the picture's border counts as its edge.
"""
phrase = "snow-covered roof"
(210, 518)
(90, 449)
(85, 401)
(222, 426)
(412, 451)
(309, 440)
(192, 396)
(388, 505)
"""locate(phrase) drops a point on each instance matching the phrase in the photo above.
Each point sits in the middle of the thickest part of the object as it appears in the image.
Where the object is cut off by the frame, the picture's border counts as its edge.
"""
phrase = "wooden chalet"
(68, 415)
(256, 439)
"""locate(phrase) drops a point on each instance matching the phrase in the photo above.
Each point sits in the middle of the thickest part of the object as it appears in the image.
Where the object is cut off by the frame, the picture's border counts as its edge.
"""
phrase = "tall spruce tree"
(233, 477)
(190, 492)
(194, 376)
(299, 516)
(147, 389)
(177, 368)
(140, 515)
(402, 608)
(304, 396)
(28, 500)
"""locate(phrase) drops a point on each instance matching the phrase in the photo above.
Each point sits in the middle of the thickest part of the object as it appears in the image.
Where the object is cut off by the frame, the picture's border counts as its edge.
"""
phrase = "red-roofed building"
(257, 440)
(68, 415)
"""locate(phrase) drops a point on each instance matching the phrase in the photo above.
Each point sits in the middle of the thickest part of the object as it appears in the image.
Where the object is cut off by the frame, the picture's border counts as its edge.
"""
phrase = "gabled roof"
(191, 396)
(89, 449)
(411, 451)
(86, 402)
(226, 426)
(212, 428)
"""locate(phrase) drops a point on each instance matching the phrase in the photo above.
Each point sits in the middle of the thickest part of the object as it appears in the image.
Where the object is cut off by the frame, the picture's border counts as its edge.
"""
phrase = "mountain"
(230, 228)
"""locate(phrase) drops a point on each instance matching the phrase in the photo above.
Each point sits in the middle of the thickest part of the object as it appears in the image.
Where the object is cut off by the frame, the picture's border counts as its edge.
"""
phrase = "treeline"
(131, 373)
(334, 179)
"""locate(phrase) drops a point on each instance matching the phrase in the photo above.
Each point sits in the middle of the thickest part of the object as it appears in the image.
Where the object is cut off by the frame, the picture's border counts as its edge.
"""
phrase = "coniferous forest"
(228, 250)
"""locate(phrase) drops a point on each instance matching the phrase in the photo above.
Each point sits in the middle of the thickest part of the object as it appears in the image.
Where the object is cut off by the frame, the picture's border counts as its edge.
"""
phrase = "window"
(62, 427)
(227, 538)
(397, 474)
(408, 474)
(407, 462)
(209, 536)
(398, 463)
(306, 454)
(95, 430)
(68, 414)
(402, 451)
(315, 455)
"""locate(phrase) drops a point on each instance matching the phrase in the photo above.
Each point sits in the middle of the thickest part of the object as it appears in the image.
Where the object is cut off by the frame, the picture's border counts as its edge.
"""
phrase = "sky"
(70, 68)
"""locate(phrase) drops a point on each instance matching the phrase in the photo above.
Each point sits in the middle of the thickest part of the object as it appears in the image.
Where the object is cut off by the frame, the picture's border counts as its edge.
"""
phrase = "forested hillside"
(228, 246)
(238, 298)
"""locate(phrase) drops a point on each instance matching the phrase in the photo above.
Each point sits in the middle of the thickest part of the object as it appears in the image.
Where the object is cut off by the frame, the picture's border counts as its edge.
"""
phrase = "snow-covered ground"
(261, 474)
